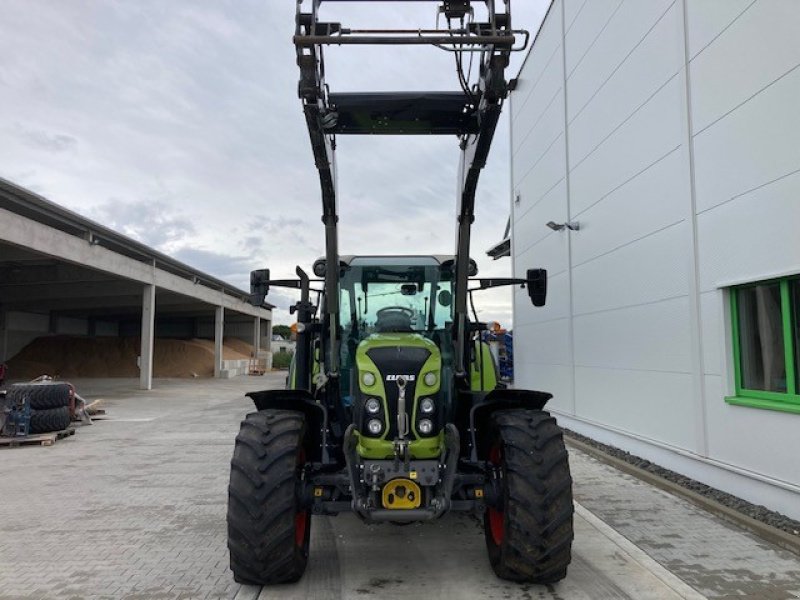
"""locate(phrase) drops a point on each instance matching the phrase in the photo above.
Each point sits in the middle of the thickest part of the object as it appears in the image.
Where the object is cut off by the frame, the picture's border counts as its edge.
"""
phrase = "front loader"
(393, 409)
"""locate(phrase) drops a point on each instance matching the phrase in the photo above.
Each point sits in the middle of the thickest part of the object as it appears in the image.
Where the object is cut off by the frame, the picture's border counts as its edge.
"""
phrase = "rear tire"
(529, 530)
(53, 419)
(268, 533)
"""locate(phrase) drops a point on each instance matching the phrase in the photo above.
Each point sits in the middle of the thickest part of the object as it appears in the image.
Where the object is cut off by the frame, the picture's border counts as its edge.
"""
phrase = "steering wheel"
(393, 318)
(388, 310)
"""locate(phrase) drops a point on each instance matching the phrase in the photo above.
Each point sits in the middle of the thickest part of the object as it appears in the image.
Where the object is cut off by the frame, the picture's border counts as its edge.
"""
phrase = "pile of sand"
(73, 356)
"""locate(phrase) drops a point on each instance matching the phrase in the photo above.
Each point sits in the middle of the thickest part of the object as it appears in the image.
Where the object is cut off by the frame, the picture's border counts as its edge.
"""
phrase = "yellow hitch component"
(401, 494)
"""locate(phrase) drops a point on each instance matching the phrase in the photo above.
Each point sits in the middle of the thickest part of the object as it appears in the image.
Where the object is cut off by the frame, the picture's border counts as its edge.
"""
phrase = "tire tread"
(537, 547)
(261, 499)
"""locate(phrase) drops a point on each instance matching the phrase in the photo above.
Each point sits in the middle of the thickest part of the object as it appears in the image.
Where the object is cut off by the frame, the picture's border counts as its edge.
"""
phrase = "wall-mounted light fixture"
(571, 225)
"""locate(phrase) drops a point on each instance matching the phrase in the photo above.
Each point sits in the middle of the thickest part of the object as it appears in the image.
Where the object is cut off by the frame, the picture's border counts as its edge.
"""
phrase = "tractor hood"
(384, 358)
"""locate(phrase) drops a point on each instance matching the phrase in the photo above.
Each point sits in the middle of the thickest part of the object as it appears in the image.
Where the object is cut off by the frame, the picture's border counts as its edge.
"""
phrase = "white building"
(668, 133)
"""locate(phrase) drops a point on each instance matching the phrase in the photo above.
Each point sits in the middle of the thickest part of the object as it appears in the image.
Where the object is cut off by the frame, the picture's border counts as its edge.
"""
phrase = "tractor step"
(39, 439)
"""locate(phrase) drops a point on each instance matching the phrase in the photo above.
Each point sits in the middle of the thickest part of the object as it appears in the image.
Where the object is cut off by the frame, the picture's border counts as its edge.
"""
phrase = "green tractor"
(393, 409)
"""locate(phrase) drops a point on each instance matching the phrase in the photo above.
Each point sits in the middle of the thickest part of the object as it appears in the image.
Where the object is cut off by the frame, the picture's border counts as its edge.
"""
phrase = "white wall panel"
(649, 135)
(550, 378)
(573, 8)
(762, 441)
(544, 343)
(549, 253)
(644, 205)
(530, 223)
(546, 92)
(586, 28)
(713, 332)
(545, 52)
(755, 144)
(717, 88)
(539, 140)
(650, 337)
(651, 269)
(656, 61)
(534, 181)
(651, 405)
(627, 28)
(708, 18)
(619, 339)
(536, 127)
(751, 238)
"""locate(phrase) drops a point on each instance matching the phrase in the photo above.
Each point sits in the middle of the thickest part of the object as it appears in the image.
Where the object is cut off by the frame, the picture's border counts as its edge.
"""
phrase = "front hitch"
(438, 505)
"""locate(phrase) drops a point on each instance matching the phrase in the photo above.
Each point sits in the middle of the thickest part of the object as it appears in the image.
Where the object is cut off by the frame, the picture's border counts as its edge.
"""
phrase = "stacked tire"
(51, 404)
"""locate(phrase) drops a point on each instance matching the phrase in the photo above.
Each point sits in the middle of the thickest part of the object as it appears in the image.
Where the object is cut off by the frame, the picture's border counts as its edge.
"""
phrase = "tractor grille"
(398, 360)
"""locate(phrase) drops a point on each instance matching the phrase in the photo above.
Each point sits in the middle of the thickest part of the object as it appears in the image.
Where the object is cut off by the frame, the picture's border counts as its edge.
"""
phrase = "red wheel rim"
(300, 524)
(300, 518)
(497, 521)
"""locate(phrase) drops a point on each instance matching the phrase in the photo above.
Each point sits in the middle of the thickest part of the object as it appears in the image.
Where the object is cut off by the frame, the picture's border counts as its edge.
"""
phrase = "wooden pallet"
(37, 439)
(255, 368)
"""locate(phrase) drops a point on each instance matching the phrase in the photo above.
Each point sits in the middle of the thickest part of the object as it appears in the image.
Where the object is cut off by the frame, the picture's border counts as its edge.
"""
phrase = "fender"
(302, 401)
(499, 399)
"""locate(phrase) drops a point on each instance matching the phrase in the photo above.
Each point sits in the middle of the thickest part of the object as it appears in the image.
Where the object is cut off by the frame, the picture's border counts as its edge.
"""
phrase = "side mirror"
(259, 286)
(537, 286)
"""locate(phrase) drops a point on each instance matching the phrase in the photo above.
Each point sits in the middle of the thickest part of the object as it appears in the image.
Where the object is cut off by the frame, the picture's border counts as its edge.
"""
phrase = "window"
(766, 344)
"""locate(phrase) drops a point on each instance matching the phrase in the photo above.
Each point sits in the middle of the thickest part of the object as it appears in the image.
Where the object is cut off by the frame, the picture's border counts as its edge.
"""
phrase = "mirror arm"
(497, 282)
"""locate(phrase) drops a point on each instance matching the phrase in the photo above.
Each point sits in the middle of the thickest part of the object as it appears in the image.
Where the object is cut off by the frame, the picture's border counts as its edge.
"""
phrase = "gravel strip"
(754, 511)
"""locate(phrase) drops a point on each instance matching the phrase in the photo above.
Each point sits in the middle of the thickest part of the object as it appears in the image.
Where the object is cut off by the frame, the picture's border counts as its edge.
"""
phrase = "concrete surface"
(134, 507)
(447, 559)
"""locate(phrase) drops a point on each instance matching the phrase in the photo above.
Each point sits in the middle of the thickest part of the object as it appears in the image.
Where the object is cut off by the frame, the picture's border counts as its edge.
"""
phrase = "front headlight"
(373, 406)
(367, 378)
(374, 426)
(425, 426)
(426, 406)
(430, 379)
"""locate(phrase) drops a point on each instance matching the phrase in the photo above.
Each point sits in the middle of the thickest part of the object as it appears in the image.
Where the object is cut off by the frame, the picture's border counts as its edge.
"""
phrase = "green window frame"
(788, 401)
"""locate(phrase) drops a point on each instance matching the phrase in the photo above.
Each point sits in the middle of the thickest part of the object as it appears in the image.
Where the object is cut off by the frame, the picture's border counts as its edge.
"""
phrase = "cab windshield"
(394, 298)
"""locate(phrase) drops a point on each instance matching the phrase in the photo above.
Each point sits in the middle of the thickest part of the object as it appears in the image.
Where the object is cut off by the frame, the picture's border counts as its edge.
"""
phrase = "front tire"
(529, 529)
(268, 532)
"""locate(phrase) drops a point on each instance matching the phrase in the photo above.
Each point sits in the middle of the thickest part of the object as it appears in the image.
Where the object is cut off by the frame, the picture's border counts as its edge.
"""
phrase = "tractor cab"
(400, 298)
(396, 351)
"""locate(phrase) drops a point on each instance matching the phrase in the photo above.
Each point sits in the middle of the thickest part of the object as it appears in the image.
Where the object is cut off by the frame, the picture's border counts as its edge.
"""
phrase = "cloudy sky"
(177, 123)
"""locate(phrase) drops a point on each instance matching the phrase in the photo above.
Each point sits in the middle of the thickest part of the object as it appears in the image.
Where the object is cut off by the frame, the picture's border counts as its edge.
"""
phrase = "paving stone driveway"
(133, 507)
(130, 507)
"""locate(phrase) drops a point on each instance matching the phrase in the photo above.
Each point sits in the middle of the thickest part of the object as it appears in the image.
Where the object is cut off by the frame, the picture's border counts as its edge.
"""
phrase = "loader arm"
(471, 114)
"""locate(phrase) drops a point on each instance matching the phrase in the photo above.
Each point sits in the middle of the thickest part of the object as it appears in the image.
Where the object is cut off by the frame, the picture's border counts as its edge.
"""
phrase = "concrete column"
(256, 336)
(148, 331)
(219, 331)
(268, 336)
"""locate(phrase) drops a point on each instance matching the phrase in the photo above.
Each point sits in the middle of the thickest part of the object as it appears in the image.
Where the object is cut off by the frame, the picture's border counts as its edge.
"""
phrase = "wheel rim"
(300, 524)
(497, 521)
(300, 518)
